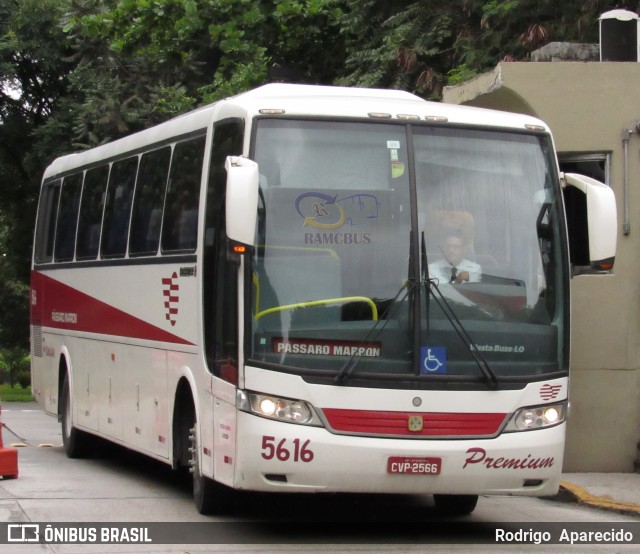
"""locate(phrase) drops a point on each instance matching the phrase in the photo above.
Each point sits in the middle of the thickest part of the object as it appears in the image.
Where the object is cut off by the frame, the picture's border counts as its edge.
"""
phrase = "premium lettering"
(479, 456)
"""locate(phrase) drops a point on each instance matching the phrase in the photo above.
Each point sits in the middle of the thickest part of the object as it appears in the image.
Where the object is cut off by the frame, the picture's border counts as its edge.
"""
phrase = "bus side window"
(118, 207)
(46, 225)
(91, 206)
(180, 224)
(147, 204)
(68, 218)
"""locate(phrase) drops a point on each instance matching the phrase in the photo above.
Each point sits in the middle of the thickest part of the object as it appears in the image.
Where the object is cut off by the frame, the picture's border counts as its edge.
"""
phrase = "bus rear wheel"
(456, 504)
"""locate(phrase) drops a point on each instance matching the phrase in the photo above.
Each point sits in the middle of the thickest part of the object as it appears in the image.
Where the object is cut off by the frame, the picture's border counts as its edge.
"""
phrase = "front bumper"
(275, 456)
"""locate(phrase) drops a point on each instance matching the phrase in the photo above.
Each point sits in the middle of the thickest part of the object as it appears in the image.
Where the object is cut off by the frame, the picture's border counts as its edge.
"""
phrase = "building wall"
(588, 106)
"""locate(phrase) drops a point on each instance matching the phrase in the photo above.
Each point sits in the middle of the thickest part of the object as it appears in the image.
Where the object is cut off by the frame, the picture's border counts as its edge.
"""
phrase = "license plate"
(414, 465)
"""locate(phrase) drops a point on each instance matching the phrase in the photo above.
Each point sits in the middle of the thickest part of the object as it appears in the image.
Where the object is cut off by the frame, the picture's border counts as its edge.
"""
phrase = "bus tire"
(74, 441)
(209, 496)
(456, 504)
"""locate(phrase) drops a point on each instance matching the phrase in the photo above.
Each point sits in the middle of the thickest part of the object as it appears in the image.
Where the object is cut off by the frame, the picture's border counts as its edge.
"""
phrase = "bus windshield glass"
(376, 240)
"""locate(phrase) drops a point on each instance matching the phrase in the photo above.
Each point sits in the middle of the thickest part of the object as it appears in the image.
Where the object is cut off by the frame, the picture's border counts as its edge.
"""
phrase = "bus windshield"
(376, 241)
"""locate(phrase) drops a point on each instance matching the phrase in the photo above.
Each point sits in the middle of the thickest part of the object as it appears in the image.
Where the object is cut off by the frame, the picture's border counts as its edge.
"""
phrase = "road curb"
(582, 496)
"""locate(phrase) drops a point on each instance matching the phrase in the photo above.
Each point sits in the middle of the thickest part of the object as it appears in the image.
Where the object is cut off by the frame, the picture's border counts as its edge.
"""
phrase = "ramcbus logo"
(327, 218)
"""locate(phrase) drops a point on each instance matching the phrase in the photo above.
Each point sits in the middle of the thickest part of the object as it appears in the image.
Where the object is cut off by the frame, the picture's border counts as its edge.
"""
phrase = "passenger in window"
(454, 268)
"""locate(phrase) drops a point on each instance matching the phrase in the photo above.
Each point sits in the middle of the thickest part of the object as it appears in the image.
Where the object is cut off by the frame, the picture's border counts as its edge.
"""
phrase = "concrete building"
(593, 110)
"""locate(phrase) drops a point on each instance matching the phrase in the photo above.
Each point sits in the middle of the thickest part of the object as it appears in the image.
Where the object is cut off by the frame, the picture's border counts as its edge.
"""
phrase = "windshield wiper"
(434, 289)
(410, 286)
(345, 371)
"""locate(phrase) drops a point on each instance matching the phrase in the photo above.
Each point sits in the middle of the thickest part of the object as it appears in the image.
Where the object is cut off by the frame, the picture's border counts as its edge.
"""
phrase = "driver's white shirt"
(441, 270)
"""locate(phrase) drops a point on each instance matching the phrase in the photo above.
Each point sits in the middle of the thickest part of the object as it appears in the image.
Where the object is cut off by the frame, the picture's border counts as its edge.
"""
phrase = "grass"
(15, 393)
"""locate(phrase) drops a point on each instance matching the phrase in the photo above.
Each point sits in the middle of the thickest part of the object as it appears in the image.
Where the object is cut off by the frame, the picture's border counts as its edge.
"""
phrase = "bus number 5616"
(284, 451)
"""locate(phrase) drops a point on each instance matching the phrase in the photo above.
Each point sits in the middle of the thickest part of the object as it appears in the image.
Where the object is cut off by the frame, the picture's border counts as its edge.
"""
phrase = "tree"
(422, 45)
(139, 62)
(32, 80)
(14, 366)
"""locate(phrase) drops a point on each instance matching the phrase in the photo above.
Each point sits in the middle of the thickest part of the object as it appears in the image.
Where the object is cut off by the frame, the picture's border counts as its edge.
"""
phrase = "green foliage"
(141, 61)
(24, 379)
(32, 79)
(422, 45)
(133, 63)
(14, 366)
(460, 74)
(14, 323)
(16, 393)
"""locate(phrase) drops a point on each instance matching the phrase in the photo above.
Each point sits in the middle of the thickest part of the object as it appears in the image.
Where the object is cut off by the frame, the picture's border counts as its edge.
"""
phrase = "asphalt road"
(118, 487)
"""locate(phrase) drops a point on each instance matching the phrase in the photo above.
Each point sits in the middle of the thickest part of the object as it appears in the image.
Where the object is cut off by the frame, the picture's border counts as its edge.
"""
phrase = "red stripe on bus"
(54, 304)
(397, 423)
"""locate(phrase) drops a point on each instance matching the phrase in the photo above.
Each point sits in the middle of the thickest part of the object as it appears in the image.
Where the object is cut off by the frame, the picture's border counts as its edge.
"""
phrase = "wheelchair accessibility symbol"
(433, 359)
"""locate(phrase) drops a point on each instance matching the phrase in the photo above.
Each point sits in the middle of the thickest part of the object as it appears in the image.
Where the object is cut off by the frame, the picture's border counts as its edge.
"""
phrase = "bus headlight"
(537, 417)
(278, 408)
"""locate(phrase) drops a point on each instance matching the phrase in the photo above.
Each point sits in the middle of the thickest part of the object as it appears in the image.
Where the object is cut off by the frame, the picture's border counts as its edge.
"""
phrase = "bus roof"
(299, 100)
(326, 101)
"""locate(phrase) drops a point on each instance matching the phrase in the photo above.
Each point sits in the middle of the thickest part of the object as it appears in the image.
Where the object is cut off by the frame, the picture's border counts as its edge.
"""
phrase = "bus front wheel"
(209, 496)
(455, 504)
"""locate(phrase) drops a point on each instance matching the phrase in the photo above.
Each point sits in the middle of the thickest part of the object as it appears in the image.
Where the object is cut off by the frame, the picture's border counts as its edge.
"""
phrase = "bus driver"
(454, 268)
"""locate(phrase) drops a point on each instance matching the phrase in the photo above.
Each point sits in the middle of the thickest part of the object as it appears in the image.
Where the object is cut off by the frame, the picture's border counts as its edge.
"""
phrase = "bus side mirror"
(599, 216)
(241, 199)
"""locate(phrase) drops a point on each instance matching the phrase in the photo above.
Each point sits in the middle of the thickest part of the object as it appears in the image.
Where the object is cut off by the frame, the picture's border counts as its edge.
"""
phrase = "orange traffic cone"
(8, 459)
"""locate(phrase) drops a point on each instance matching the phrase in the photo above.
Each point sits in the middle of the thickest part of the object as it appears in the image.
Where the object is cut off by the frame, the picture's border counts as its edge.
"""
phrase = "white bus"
(263, 290)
